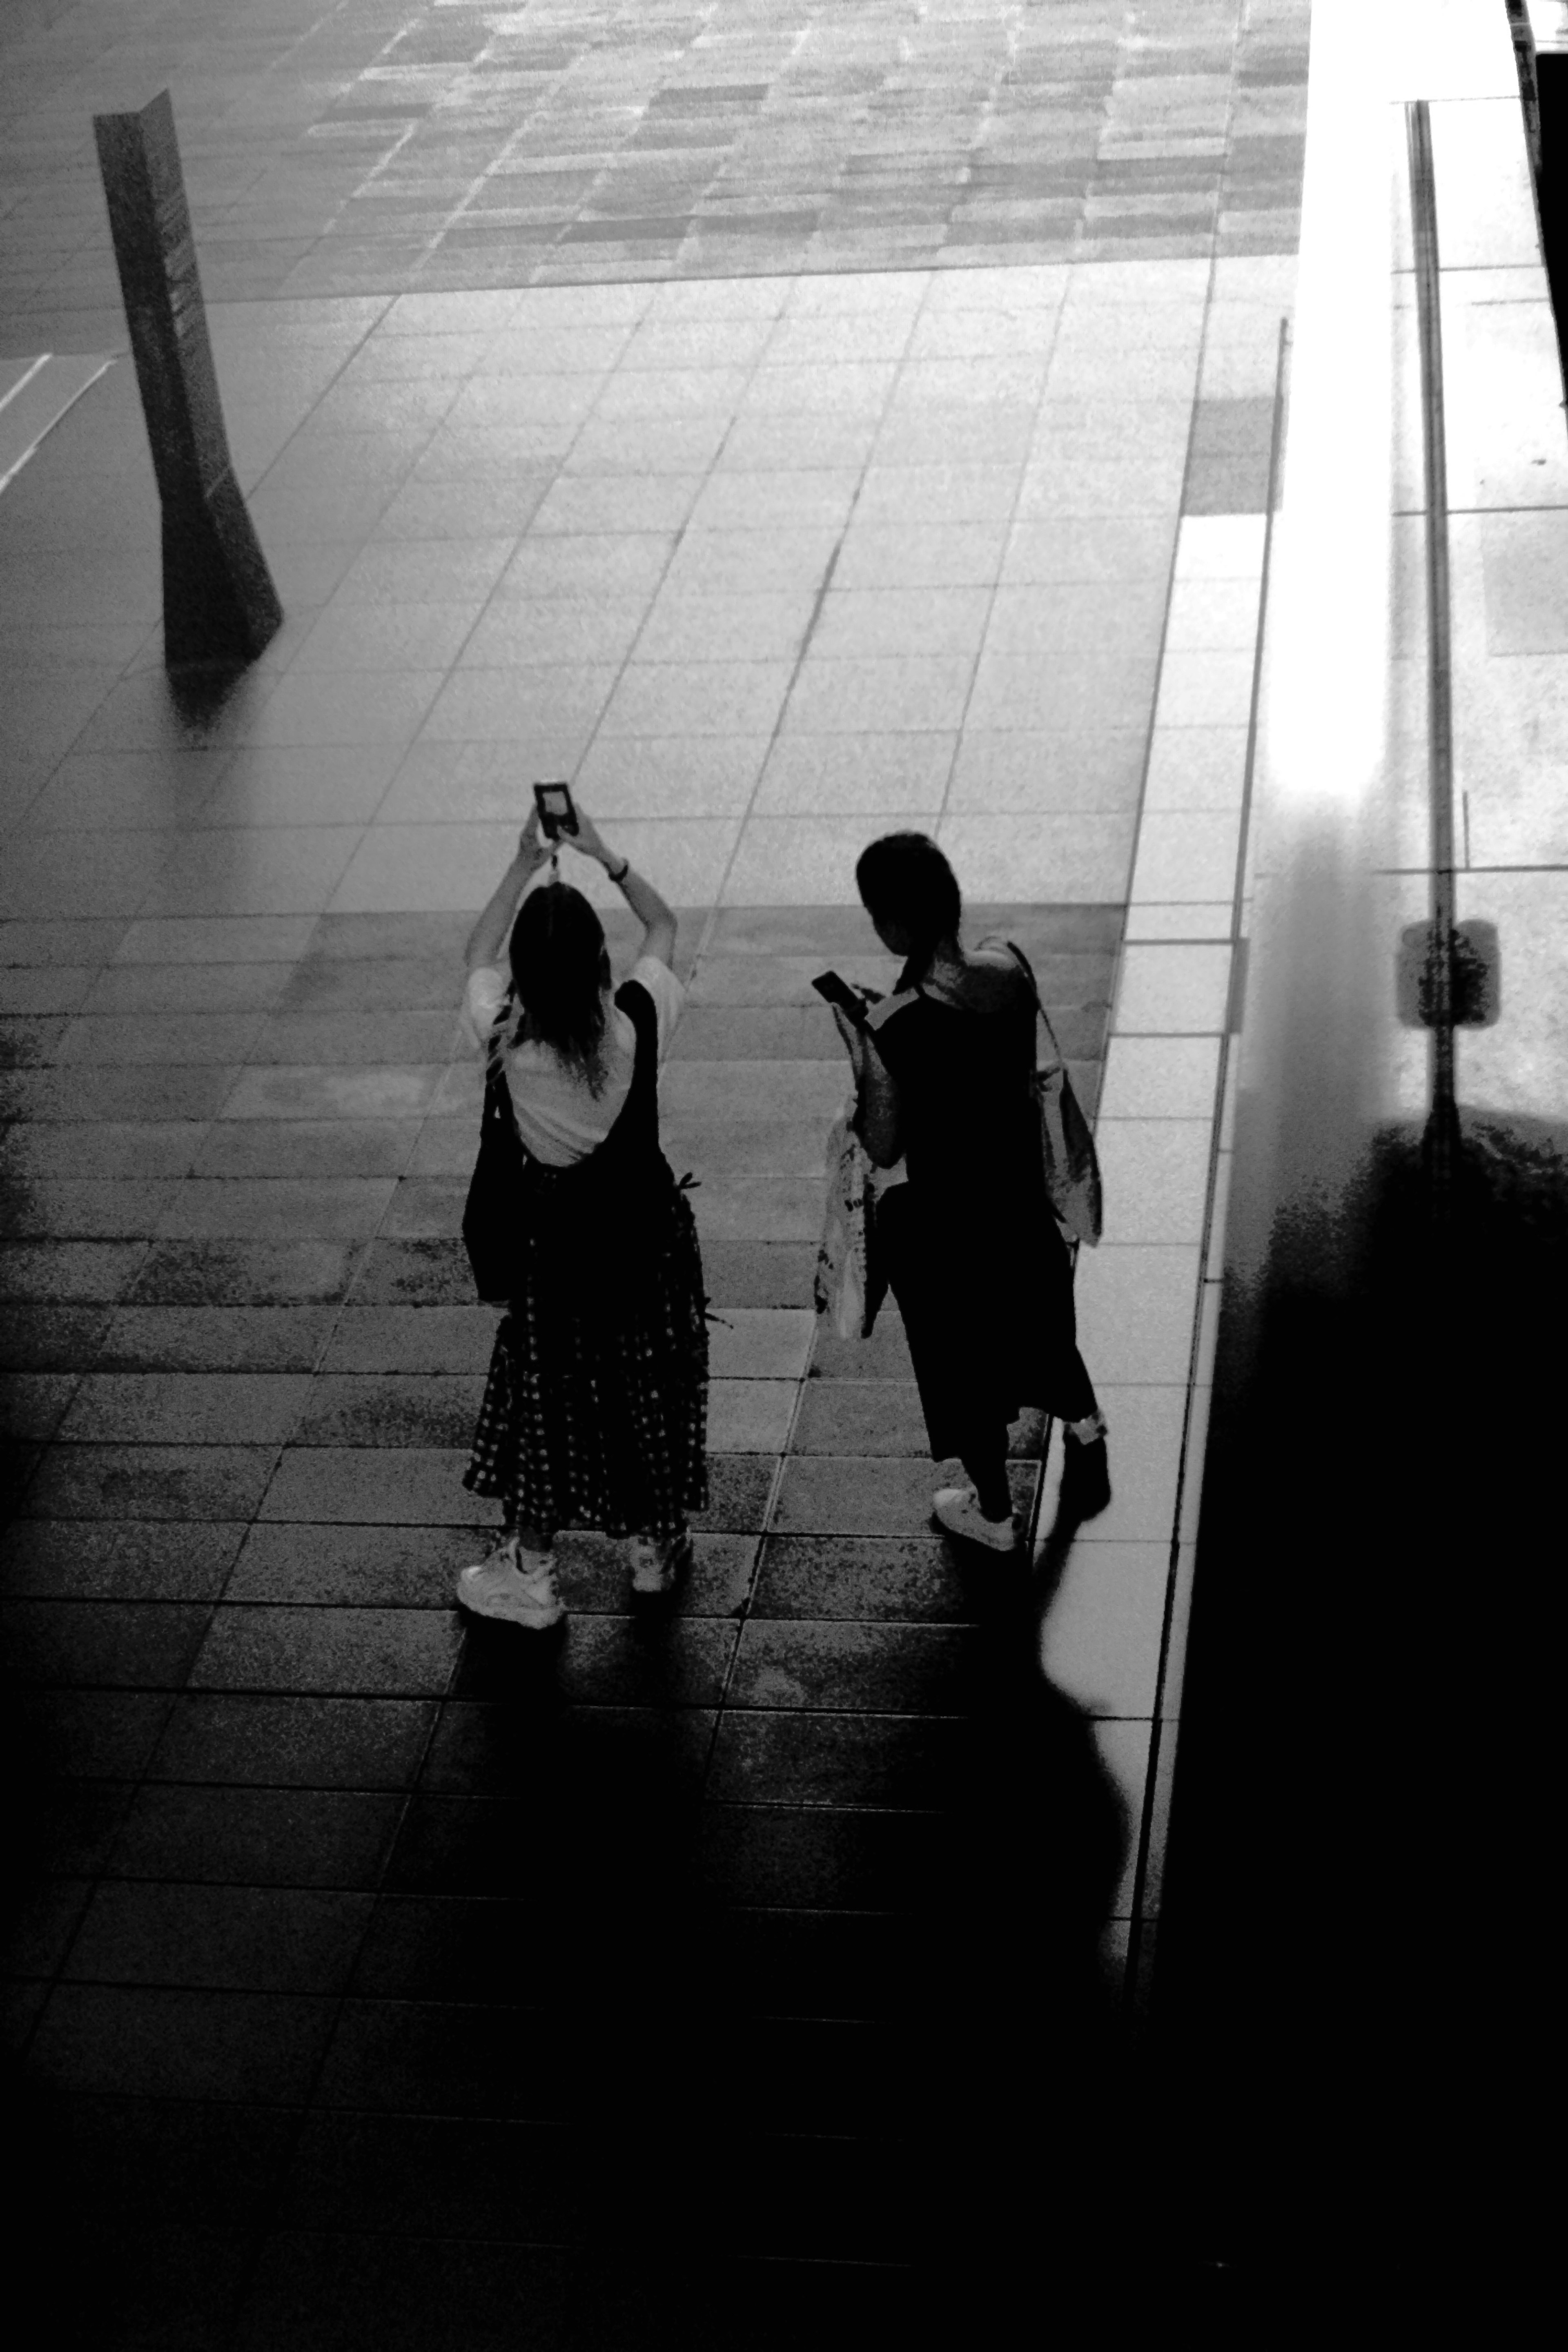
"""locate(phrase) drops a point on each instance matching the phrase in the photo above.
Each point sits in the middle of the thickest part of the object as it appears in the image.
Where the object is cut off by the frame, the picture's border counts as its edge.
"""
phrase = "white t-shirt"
(558, 1117)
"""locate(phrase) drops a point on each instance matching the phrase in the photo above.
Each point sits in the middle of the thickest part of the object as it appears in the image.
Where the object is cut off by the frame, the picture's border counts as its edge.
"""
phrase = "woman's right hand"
(532, 849)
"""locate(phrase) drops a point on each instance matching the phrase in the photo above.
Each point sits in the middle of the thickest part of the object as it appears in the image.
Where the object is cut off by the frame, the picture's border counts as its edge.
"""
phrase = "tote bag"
(1067, 1143)
(850, 1285)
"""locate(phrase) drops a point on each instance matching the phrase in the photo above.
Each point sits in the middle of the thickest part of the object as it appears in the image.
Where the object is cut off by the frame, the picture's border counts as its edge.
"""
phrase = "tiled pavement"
(308, 1848)
(880, 545)
(341, 149)
(378, 1981)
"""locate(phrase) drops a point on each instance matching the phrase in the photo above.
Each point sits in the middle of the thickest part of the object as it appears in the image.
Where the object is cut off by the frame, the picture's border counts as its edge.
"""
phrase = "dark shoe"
(658, 1566)
(1086, 1476)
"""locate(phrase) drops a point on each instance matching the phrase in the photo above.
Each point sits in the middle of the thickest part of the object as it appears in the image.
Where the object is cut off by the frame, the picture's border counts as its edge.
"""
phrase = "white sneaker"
(656, 1567)
(499, 1587)
(958, 1509)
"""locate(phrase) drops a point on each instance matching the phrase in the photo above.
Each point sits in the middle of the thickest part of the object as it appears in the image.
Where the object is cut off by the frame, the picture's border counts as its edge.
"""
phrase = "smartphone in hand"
(556, 813)
(839, 993)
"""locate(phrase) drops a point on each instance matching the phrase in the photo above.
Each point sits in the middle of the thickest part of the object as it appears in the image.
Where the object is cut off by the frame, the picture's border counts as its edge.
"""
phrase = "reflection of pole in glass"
(220, 606)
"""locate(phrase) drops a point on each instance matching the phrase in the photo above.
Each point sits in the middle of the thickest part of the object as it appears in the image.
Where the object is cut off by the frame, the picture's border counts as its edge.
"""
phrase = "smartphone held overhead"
(557, 814)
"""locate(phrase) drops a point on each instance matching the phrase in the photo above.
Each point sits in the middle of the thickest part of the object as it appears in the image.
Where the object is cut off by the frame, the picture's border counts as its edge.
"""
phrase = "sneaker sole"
(977, 1543)
(538, 1621)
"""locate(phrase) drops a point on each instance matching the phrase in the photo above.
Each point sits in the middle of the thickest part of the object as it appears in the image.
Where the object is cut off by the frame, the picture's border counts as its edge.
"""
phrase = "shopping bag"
(1067, 1140)
(846, 1286)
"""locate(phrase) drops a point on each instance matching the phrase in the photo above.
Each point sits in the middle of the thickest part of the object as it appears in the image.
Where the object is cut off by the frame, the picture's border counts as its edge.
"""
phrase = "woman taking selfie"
(974, 1251)
(595, 1413)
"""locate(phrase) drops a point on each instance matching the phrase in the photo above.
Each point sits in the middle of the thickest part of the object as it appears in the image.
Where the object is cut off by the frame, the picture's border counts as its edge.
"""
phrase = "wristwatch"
(625, 869)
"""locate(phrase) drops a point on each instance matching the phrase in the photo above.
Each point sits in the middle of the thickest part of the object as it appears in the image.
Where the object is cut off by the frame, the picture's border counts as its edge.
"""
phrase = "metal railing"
(1442, 948)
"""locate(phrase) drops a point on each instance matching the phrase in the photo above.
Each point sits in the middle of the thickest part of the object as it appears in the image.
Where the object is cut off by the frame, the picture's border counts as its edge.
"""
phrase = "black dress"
(594, 1414)
(975, 1256)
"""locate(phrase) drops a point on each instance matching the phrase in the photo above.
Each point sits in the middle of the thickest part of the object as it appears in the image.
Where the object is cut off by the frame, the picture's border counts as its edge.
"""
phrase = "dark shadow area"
(1046, 1837)
(200, 691)
(1541, 60)
(977, 2149)
(1345, 2032)
(590, 2072)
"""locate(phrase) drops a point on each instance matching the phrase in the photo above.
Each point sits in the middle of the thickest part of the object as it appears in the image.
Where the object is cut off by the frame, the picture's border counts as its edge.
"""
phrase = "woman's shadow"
(1035, 2101)
(1008, 2024)
(594, 1721)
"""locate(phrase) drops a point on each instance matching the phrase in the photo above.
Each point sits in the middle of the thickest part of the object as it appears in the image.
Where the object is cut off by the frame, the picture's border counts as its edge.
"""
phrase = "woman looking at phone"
(975, 1257)
(595, 1409)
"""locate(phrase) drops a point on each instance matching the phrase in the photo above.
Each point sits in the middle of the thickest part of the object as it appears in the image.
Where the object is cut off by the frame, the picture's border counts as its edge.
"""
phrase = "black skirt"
(972, 1250)
(984, 1289)
(595, 1412)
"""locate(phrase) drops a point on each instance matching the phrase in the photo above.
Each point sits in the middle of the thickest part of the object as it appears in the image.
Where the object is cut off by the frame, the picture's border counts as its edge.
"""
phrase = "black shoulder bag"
(495, 1218)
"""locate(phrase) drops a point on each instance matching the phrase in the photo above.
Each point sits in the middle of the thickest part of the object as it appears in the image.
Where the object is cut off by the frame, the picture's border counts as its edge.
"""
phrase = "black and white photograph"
(783, 1171)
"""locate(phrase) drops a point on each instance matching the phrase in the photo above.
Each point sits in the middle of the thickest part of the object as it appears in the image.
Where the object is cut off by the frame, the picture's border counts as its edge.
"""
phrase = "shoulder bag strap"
(633, 999)
(636, 1125)
(1027, 969)
(883, 1012)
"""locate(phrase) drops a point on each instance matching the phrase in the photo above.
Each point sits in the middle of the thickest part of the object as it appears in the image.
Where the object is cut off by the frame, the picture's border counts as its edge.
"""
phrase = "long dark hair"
(561, 970)
(904, 879)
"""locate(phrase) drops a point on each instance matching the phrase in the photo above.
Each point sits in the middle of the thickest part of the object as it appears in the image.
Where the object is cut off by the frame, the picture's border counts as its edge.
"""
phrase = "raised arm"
(487, 937)
(656, 920)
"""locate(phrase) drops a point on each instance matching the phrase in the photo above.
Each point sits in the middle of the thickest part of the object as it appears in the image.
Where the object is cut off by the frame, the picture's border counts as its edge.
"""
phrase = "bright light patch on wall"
(1327, 668)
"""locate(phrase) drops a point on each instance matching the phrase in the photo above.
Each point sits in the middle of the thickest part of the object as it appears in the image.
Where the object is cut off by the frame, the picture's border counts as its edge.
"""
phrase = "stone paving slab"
(396, 146)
